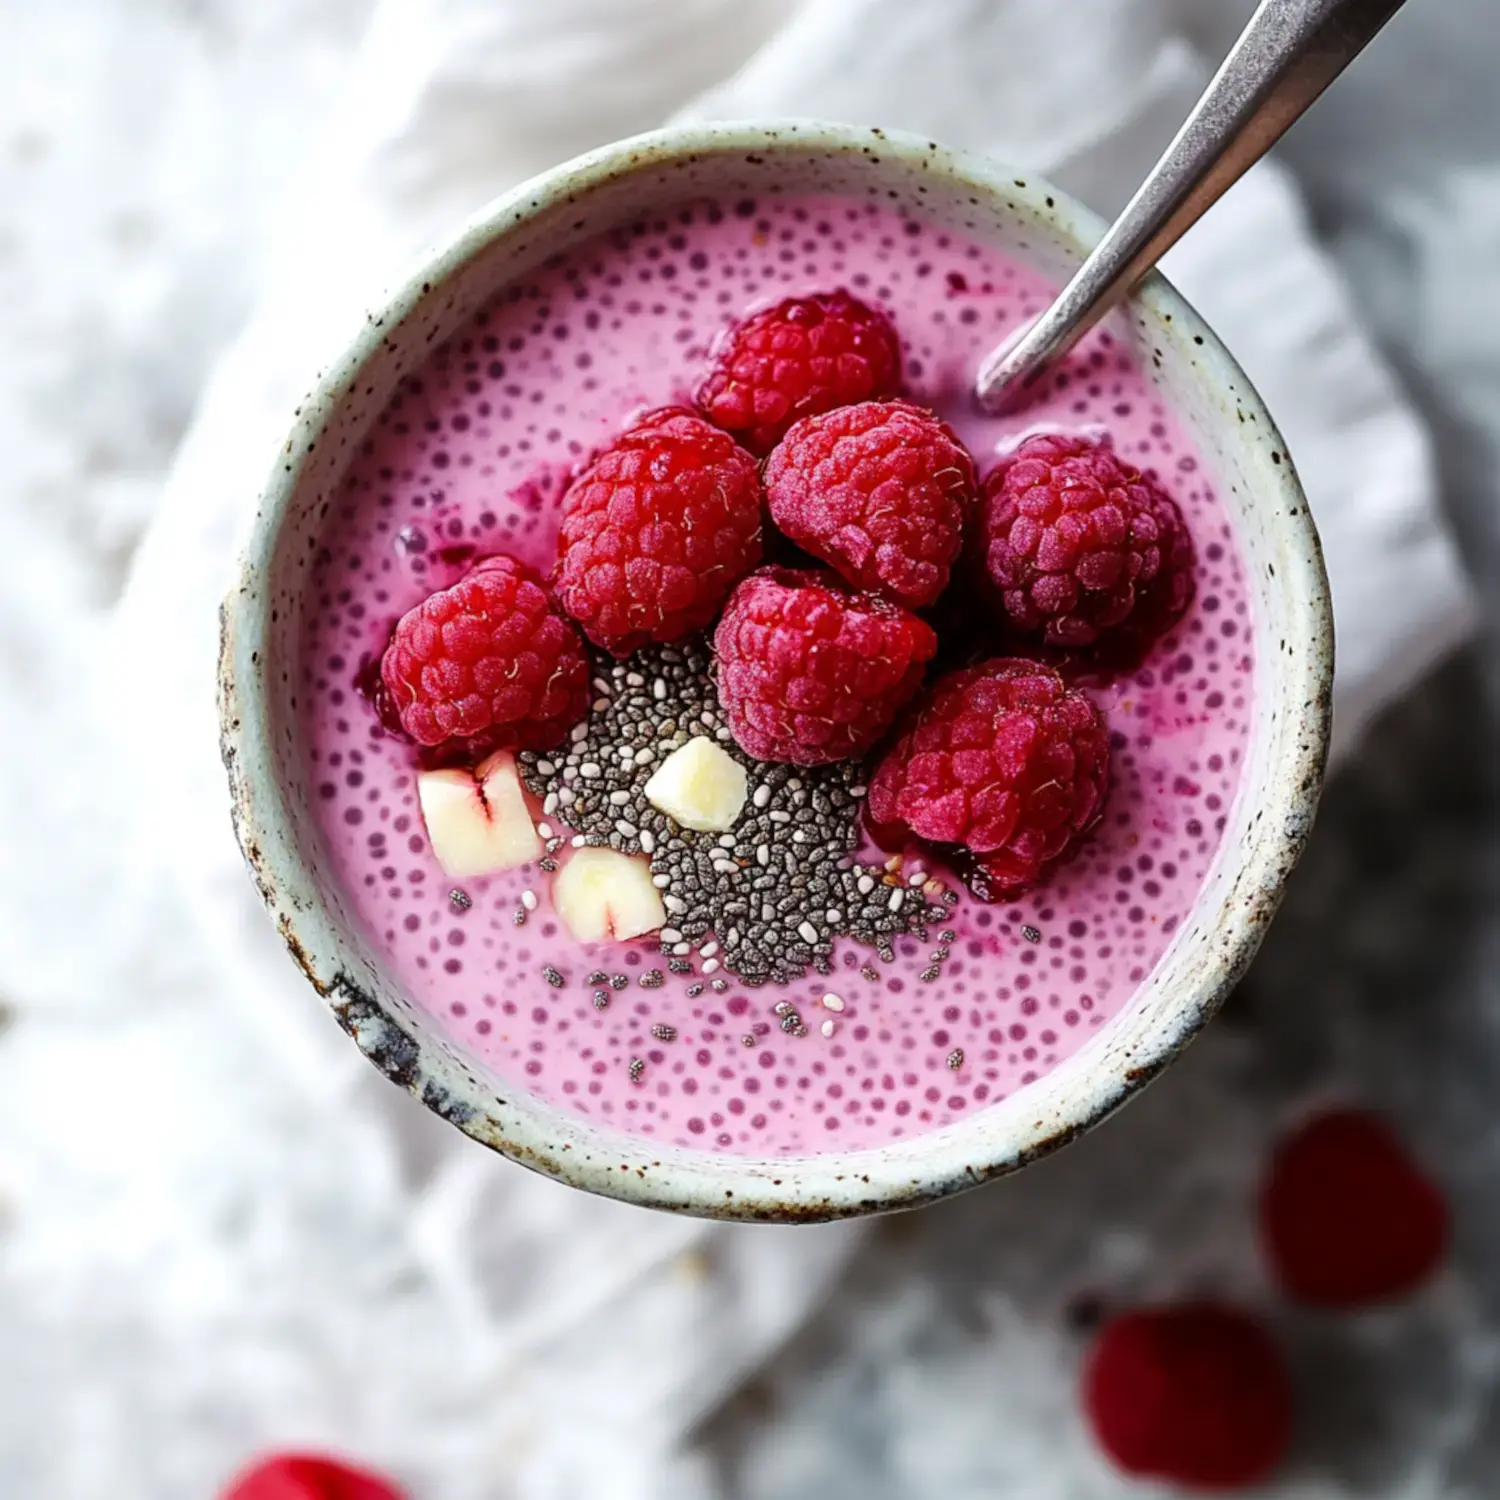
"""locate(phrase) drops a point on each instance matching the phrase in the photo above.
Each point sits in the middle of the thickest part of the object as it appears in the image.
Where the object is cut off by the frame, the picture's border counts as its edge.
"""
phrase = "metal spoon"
(1288, 53)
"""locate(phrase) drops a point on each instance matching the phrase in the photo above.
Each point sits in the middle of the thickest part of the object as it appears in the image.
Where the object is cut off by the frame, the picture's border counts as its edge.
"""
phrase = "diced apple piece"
(603, 896)
(477, 821)
(700, 785)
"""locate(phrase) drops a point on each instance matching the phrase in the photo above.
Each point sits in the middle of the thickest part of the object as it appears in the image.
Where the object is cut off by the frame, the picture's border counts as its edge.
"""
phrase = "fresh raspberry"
(1081, 549)
(656, 531)
(1002, 762)
(809, 670)
(1347, 1217)
(879, 491)
(803, 356)
(308, 1476)
(1196, 1395)
(487, 664)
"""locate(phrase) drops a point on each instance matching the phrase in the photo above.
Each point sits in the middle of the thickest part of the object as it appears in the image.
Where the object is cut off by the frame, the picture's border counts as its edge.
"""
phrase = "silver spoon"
(1288, 53)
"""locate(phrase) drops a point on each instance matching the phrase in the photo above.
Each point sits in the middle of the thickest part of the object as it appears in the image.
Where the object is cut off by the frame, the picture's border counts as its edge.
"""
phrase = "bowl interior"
(1038, 226)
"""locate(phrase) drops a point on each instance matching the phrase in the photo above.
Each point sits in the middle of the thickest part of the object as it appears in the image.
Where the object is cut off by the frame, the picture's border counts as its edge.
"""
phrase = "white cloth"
(230, 1233)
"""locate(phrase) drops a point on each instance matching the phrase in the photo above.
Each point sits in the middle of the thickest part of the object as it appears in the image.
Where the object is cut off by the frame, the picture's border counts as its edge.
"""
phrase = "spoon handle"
(1288, 53)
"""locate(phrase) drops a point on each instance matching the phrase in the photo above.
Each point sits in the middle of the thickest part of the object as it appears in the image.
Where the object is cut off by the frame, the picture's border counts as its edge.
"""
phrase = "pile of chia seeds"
(766, 900)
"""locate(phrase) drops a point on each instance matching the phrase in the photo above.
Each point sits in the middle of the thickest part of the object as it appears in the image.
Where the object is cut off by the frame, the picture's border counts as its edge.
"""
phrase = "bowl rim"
(826, 1185)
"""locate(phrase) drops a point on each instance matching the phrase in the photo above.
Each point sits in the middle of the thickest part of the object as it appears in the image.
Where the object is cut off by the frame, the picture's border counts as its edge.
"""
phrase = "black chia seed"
(652, 979)
(597, 976)
(680, 966)
(1031, 934)
(553, 976)
(694, 990)
(782, 886)
(956, 1058)
(601, 999)
(460, 900)
(664, 1033)
(619, 981)
(637, 1067)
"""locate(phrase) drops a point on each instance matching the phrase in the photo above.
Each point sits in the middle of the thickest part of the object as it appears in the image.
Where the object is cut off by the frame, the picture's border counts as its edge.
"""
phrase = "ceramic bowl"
(1039, 226)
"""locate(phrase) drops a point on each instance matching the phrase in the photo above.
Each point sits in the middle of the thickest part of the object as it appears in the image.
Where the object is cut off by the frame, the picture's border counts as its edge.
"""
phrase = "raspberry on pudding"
(1080, 549)
(1002, 763)
(880, 491)
(486, 664)
(656, 531)
(803, 356)
(811, 671)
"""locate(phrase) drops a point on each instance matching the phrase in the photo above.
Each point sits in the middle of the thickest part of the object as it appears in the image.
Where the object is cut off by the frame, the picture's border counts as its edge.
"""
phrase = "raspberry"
(306, 1476)
(880, 491)
(1196, 1395)
(1002, 761)
(487, 664)
(809, 670)
(1347, 1217)
(803, 356)
(656, 531)
(1081, 549)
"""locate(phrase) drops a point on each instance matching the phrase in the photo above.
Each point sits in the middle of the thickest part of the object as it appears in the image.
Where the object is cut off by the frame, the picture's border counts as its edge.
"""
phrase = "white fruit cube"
(700, 785)
(477, 821)
(605, 896)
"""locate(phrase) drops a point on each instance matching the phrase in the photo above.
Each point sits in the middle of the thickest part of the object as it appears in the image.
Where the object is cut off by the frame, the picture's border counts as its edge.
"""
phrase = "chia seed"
(680, 966)
(769, 887)
(460, 900)
(553, 976)
(619, 981)
(601, 999)
(720, 986)
(693, 991)
(664, 1033)
(956, 1058)
(652, 979)
(597, 976)
(1031, 934)
(637, 1067)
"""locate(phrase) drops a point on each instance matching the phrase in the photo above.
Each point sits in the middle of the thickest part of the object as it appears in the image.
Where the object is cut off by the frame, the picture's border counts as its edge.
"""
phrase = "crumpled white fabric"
(233, 1234)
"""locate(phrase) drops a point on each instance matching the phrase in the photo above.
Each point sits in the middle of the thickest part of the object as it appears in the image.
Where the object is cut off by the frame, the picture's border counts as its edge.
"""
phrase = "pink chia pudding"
(958, 1002)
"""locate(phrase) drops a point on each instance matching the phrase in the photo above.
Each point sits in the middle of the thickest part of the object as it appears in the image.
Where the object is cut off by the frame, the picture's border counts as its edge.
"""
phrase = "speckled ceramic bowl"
(1294, 650)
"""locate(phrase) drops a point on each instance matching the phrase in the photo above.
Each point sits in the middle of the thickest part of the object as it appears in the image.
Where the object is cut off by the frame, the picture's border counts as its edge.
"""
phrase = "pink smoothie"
(470, 458)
